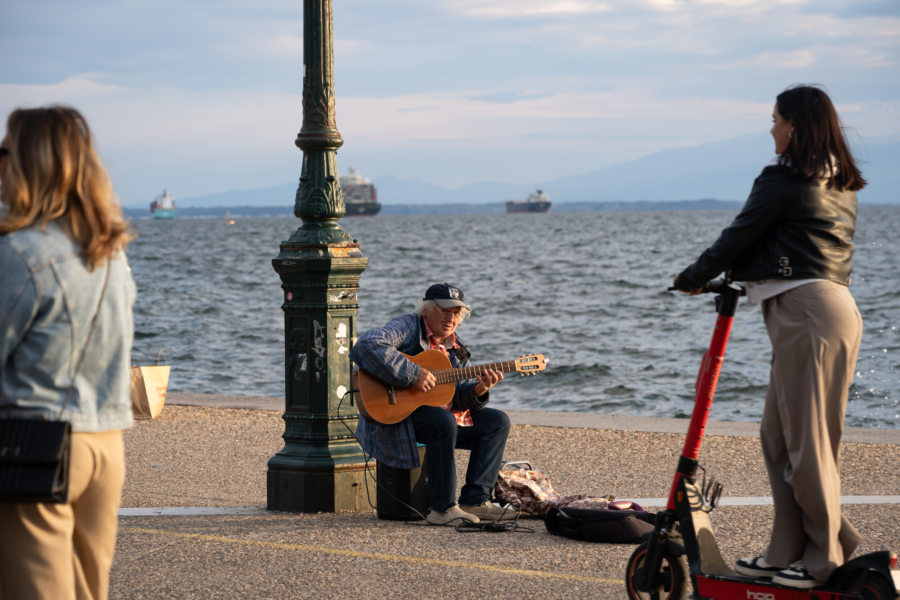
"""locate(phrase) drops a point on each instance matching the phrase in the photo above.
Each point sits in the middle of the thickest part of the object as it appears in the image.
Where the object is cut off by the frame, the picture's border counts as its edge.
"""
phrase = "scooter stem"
(707, 378)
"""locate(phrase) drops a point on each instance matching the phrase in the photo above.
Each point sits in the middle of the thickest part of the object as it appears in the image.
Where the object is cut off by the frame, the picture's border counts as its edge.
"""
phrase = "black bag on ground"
(599, 525)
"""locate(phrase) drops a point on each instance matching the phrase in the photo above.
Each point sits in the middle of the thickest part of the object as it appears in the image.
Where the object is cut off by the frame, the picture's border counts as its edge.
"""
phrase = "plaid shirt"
(378, 351)
(463, 417)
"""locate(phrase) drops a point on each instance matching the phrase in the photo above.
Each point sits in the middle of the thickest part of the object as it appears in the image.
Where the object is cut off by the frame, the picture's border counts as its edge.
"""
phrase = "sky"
(204, 96)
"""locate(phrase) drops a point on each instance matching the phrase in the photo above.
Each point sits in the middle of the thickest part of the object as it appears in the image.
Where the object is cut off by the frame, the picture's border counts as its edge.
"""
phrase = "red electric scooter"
(683, 533)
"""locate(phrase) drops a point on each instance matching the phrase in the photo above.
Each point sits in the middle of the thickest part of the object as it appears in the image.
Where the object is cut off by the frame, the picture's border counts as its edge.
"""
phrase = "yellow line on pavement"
(375, 555)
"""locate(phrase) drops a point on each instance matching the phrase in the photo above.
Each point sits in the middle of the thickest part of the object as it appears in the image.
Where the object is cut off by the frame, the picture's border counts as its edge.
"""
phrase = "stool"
(400, 489)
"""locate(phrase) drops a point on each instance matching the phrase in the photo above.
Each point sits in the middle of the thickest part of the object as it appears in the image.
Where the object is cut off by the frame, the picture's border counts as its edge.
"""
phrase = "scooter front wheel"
(877, 587)
(668, 583)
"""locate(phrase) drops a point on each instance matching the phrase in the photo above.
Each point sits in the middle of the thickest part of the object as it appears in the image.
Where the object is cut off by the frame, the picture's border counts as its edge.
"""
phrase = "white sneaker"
(452, 516)
(756, 567)
(795, 576)
(488, 511)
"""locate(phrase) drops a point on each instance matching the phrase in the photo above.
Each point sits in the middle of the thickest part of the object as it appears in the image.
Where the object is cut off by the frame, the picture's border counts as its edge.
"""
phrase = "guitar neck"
(463, 373)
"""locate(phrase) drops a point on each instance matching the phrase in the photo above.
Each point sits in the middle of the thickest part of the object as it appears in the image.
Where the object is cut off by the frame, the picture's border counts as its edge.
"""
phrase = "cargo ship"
(163, 206)
(536, 202)
(360, 198)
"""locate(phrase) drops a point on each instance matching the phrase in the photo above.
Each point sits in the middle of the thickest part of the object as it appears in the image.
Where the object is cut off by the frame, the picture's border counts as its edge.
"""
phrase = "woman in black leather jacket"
(792, 243)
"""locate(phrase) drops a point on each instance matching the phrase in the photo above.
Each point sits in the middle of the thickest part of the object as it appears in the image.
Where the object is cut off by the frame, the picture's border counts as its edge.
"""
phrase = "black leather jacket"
(788, 229)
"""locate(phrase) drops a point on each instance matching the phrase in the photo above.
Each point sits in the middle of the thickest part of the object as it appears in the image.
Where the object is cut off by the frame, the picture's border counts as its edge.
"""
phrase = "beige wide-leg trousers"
(65, 551)
(815, 330)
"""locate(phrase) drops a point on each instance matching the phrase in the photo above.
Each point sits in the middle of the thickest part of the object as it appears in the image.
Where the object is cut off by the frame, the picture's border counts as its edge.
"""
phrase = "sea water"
(587, 290)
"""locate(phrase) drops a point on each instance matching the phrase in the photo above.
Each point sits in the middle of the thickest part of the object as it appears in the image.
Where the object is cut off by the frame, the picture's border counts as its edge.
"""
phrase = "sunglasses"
(3, 151)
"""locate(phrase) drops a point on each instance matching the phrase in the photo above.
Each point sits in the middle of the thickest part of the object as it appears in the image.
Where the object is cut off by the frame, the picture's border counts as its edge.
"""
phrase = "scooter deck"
(714, 579)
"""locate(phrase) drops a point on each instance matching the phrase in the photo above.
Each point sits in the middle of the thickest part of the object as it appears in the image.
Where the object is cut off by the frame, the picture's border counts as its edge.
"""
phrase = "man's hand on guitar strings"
(426, 381)
(488, 379)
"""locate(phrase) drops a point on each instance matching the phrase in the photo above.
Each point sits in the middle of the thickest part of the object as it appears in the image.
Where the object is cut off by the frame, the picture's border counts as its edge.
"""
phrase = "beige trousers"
(65, 551)
(815, 330)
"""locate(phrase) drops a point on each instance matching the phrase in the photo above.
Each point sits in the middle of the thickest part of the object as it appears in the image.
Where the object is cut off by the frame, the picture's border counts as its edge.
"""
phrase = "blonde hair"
(54, 173)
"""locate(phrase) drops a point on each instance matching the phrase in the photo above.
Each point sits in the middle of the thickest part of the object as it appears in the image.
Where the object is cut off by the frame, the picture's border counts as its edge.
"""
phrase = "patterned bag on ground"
(529, 491)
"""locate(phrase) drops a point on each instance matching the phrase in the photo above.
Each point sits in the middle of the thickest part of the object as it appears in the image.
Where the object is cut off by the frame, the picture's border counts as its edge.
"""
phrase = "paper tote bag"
(148, 390)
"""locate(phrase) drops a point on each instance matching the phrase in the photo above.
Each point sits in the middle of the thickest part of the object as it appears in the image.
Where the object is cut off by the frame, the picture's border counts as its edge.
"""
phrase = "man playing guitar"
(464, 422)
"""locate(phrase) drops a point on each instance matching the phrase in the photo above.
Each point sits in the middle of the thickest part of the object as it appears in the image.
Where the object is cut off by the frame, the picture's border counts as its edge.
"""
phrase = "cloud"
(194, 141)
(525, 8)
(448, 91)
(195, 118)
(468, 114)
(794, 59)
(283, 46)
(77, 88)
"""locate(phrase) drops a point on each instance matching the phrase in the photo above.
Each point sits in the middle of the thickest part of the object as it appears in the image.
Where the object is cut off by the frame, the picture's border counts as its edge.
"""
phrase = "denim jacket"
(48, 299)
(378, 352)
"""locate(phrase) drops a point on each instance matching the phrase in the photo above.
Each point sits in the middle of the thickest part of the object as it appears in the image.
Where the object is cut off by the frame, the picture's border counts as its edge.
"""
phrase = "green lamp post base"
(297, 484)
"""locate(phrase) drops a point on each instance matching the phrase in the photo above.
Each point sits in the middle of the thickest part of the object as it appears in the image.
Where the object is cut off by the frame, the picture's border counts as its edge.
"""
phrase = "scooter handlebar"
(717, 286)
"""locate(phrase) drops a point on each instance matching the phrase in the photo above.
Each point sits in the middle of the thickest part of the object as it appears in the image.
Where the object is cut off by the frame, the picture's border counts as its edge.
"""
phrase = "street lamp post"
(320, 468)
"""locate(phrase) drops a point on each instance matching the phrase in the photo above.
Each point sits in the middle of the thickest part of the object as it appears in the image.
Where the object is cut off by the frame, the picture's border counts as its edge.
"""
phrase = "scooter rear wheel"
(669, 582)
(877, 587)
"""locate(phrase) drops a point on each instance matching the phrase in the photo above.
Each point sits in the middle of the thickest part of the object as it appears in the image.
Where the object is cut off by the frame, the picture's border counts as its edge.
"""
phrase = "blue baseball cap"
(446, 295)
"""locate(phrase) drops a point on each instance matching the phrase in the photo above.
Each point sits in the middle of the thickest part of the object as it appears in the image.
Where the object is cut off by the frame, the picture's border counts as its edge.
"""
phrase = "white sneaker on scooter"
(755, 567)
(795, 576)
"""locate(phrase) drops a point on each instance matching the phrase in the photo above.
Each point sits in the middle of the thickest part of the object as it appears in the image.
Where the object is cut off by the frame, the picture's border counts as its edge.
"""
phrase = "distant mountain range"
(722, 170)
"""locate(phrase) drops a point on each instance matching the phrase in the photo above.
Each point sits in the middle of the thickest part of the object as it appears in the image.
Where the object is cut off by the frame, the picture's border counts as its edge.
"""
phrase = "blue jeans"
(486, 439)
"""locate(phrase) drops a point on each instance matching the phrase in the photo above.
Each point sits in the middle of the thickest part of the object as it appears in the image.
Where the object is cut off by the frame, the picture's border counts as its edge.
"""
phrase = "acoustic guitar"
(382, 403)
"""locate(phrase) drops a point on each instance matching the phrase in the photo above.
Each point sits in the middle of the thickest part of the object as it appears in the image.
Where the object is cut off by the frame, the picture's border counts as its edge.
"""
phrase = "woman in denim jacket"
(61, 234)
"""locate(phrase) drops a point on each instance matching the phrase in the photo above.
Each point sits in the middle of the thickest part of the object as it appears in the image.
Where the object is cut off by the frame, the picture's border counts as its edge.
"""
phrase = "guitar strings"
(528, 366)
(463, 373)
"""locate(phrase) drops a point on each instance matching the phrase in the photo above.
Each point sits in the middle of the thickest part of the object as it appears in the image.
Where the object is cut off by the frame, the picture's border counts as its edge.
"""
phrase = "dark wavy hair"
(817, 145)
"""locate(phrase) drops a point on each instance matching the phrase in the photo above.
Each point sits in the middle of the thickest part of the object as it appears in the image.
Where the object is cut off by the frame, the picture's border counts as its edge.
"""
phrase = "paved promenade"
(193, 522)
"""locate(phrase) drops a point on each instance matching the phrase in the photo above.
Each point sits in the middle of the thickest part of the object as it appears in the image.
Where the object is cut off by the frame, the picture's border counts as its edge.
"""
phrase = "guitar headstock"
(531, 364)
